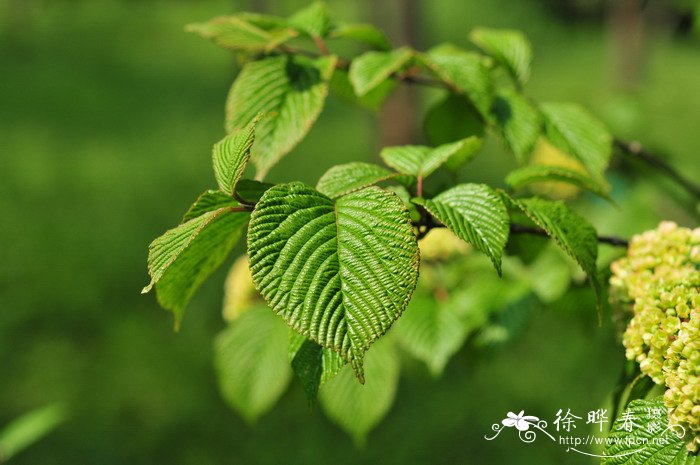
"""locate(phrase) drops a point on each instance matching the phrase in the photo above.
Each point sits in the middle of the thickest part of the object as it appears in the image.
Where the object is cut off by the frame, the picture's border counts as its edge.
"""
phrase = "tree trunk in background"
(627, 33)
(400, 20)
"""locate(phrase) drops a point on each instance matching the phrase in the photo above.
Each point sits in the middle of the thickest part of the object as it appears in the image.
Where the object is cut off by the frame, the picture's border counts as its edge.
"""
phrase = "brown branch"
(321, 45)
(244, 203)
(344, 64)
(631, 148)
(243, 208)
(636, 151)
(522, 229)
(428, 222)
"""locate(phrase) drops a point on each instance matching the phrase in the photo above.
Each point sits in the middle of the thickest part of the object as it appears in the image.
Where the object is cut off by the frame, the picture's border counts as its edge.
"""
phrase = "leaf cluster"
(339, 262)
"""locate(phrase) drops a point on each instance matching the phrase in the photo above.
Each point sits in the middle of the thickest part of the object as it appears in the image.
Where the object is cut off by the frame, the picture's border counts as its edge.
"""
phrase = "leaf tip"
(358, 369)
(177, 323)
(196, 28)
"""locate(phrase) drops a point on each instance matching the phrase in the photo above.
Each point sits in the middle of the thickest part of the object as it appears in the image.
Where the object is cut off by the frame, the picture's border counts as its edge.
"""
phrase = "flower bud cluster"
(659, 281)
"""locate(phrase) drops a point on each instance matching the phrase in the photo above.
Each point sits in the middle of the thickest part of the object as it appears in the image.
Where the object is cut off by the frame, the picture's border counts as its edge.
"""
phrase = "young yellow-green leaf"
(230, 156)
(476, 214)
(340, 273)
(251, 362)
(361, 32)
(510, 48)
(463, 71)
(313, 364)
(358, 408)
(573, 130)
(431, 331)
(207, 202)
(421, 161)
(569, 230)
(518, 122)
(240, 294)
(373, 68)
(544, 173)
(343, 179)
(313, 20)
(290, 91)
(22, 432)
(180, 260)
(237, 33)
(642, 436)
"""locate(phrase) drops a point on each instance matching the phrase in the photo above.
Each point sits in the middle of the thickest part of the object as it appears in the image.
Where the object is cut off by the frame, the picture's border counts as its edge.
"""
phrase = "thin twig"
(321, 45)
(344, 64)
(631, 148)
(635, 150)
(245, 203)
(428, 222)
(242, 208)
(522, 229)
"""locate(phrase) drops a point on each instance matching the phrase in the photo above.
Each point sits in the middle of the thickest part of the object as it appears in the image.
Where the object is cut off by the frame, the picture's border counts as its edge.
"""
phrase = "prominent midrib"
(346, 354)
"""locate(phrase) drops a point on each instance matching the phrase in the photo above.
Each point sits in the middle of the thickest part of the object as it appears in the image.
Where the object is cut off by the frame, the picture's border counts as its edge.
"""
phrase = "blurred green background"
(108, 111)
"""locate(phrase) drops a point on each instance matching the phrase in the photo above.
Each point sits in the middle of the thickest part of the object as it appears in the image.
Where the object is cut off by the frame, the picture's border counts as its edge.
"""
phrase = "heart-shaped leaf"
(340, 273)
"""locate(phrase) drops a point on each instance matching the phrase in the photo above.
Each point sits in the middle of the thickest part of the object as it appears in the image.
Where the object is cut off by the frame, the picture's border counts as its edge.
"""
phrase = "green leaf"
(507, 321)
(343, 179)
(358, 408)
(313, 364)
(230, 156)
(451, 119)
(476, 214)
(361, 32)
(569, 230)
(518, 122)
(251, 362)
(463, 71)
(544, 173)
(250, 190)
(264, 21)
(510, 48)
(207, 202)
(431, 331)
(549, 274)
(573, 130)
(421, 161)
(373, 68)
(342, 88)
(29, 428)
(340, 273)
(638, 387)
(468, 149)
(237, 33)
(180, 260)
(313, 20)
(642, 436)
(290, 91)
